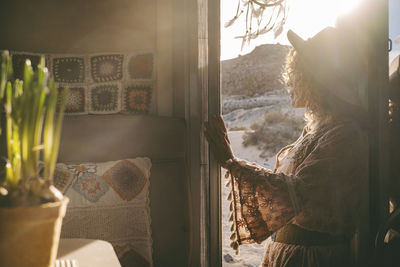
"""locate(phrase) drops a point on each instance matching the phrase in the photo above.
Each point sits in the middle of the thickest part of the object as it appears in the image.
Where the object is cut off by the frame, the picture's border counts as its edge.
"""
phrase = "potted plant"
(31, 208)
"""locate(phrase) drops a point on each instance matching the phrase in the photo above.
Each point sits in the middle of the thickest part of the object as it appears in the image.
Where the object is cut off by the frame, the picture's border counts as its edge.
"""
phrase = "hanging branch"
(267, 4)
(269, 15)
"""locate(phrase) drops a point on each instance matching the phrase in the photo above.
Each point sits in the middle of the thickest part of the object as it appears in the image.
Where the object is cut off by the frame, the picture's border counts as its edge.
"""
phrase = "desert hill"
(260, 120)
(255, 73)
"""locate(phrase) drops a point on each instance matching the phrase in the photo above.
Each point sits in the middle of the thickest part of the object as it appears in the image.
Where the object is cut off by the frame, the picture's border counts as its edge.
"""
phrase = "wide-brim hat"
(335, 62)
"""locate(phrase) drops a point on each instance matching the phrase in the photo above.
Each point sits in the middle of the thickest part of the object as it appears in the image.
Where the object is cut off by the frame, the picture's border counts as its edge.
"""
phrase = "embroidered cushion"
(109, 201)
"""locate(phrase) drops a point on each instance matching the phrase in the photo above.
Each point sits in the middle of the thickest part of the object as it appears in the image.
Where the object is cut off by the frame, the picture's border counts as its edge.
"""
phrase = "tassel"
(232, 227)
(235, 246)
(231, 218)
(233, 236)
(264, 30)
(227, 175)
(228, 184)
(231, 206)
(243, 42)
(229, 197)
(278, 30)
(230, 22)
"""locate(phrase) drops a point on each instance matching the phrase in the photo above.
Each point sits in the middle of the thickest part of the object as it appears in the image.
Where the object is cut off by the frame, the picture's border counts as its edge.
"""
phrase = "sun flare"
(306, 18)
(310, 16)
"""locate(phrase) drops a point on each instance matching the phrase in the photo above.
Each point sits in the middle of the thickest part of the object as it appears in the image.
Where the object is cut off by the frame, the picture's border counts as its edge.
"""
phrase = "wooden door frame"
(214, 107)
(377, 28)
(201, 90)
(196, 69)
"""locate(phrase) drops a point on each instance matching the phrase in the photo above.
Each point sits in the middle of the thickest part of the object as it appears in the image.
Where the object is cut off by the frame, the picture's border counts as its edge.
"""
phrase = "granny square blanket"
(102, 83)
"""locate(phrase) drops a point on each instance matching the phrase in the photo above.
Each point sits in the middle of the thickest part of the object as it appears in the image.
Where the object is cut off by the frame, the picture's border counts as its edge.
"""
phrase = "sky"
(394, 27)
(302, 19)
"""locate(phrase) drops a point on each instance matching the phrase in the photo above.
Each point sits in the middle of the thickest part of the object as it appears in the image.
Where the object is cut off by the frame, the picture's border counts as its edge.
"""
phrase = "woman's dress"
(318, 184)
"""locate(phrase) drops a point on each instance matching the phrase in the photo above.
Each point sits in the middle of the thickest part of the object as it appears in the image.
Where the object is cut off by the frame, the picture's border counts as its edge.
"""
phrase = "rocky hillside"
(255, 73)
(260, 120)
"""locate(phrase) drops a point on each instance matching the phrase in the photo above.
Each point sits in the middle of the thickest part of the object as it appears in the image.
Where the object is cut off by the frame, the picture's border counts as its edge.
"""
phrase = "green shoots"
(32, 129)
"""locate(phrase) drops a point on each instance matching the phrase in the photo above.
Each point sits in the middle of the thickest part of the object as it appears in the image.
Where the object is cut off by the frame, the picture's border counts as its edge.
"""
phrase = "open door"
(203, 99)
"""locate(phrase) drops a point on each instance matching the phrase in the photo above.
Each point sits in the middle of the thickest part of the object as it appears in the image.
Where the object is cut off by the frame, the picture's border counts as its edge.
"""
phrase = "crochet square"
(126, 179)
(137, 99)
(91, 186)
(62, 179)
(125, 224)
(76, 100)
(99, 83)
(104, 99)
(18, 63)
(69, 69)
(141, 66)
(106, 68)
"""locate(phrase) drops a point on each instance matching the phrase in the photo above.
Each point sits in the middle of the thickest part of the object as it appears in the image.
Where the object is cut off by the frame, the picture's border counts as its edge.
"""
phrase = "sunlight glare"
(306, 18)
(310, 16)
(346, 6)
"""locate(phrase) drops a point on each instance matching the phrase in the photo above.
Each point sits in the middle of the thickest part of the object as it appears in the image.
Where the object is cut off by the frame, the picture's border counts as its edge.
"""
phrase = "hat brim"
(296, 41)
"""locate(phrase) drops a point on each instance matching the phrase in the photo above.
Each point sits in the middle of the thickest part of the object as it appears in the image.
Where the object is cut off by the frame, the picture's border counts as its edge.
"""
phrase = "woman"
(309, 205)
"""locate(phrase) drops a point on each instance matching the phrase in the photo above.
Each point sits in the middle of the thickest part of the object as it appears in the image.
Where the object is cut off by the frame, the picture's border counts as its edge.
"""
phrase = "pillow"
(109, 201)
(104, 83)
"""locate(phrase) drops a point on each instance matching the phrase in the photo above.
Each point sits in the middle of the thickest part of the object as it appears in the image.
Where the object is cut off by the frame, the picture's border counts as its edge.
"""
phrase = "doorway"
(255, 102)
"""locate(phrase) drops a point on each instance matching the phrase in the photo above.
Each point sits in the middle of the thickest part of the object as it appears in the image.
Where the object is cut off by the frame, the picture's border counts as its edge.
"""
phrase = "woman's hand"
(218, 140)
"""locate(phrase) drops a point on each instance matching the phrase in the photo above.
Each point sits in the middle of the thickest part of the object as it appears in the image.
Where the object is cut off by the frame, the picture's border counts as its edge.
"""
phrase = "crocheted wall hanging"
(106, 83)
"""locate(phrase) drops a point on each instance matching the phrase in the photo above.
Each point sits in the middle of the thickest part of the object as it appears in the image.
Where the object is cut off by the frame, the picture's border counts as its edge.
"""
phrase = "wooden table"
(88, 252)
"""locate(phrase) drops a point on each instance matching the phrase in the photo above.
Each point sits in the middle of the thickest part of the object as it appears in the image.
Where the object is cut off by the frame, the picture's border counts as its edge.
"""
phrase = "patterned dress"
(318, 184)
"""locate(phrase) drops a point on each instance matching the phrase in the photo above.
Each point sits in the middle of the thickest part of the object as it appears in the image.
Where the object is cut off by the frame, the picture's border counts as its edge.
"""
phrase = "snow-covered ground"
(239, 113)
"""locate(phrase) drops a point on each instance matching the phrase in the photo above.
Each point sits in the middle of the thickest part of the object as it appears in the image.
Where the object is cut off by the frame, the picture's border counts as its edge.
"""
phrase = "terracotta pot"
(29, 236)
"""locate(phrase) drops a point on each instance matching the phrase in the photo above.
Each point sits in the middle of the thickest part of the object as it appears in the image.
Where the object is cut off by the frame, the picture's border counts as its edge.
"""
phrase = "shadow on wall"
(78, 26)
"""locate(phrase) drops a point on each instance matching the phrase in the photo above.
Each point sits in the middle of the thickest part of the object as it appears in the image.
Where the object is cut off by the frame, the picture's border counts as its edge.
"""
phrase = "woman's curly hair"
(297, 76)
(331, 83)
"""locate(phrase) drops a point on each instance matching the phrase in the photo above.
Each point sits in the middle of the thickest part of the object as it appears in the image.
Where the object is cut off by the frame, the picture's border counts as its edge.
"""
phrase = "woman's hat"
(334, 59)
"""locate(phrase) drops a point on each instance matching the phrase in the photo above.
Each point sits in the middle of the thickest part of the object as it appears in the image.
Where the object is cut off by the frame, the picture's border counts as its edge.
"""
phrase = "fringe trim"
(233, 217)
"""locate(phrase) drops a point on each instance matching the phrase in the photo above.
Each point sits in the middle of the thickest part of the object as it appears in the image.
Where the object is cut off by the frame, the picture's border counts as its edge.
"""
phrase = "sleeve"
(261, 203)
(324, 185)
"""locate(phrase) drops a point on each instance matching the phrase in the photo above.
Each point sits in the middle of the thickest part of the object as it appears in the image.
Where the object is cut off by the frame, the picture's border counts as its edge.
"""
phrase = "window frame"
(203, 99)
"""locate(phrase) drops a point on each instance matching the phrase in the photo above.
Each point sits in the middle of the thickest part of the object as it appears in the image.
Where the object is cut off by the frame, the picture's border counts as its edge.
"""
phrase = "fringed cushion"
(109, 201)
